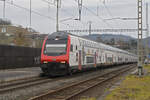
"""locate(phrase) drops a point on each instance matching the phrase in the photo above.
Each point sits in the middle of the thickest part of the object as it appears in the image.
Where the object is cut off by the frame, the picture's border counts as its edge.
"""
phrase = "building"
(17, 35)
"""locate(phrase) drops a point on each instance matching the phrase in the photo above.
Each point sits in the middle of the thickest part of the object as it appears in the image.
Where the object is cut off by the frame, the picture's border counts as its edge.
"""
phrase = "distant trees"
(5, 22)
(17, 35)
(23, 37)
(133, 43)
(119, 42)
(20, 40)
(112, 41)
(99, 39)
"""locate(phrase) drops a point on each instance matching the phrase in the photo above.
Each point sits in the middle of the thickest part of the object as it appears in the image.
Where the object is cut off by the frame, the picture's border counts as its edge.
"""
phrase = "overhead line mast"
(4, 8)
(90, 27)
(140, 31)
(30, 14)
(80, 8)
(147, 33)
(57, 17)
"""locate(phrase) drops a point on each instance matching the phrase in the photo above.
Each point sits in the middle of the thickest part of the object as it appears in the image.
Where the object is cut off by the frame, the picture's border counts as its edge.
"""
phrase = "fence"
(18, 57)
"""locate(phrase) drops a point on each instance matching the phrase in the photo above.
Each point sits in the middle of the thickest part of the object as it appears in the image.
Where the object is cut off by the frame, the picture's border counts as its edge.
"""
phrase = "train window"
(89, 59)
(110, 59)
(100, 58)
(88, 51)
(76, 57)
(71, 48)
(76, 47)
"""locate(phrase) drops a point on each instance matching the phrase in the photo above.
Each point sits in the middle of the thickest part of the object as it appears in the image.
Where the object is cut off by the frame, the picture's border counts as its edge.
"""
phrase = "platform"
(20, 73)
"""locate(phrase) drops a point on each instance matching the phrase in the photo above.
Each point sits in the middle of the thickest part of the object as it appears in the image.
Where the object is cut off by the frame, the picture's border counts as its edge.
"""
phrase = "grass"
(133, 88)
(88, 99)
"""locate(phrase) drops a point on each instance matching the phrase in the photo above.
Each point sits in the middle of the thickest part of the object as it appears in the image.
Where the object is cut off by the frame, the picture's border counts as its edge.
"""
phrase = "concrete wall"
(18, 57)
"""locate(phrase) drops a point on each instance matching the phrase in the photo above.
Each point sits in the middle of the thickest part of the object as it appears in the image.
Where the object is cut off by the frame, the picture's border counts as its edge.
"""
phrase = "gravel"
(26, 93)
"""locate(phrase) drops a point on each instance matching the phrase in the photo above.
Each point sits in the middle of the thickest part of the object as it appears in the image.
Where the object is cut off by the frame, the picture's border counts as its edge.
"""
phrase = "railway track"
(20, 84)
(75, 89)
(29, 82)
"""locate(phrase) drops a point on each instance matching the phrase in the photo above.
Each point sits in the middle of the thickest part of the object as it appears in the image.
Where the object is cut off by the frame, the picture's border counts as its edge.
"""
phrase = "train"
(63, 53)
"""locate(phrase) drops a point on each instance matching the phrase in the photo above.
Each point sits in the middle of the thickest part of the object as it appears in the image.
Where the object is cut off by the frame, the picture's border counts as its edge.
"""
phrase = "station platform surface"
(19, 73)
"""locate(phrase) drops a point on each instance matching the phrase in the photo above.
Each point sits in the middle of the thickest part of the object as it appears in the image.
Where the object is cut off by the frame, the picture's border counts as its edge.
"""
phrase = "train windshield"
(56, 48)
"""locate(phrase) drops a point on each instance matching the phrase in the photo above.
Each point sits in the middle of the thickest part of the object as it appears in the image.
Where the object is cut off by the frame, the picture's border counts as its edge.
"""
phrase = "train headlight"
(45, 62)
(63, 62)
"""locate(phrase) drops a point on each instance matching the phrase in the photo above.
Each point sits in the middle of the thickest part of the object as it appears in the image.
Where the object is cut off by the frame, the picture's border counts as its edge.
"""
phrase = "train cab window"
(71, 48)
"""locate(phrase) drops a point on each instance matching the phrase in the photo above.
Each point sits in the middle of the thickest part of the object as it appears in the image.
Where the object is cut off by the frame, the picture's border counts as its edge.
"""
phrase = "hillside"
(120, 41)
(109, 37)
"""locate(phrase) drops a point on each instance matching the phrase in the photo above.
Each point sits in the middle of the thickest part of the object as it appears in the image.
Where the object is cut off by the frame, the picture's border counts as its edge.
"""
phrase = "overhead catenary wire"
(26, 9)
(50, 3)
(92, 12)
(65, 11)
(49, 17)
(32, 11)
(73, 17)
(110, 14)
(53, 4)
(89, 10)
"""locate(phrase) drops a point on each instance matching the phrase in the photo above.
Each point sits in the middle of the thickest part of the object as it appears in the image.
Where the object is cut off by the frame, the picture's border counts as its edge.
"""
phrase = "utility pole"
(90, 27)
(57, 17)
(30, 13)
(80, 8)
(4, 17)
(4, 8)
(147, 34)
(30, 27)
(139, 46)
(97, 10)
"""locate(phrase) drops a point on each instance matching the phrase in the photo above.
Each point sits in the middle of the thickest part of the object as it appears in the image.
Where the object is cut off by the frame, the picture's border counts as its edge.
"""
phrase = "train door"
(83, 55)
(79, 61)
(103, 58)
(113, 59)
(106, 61)
(95, 59)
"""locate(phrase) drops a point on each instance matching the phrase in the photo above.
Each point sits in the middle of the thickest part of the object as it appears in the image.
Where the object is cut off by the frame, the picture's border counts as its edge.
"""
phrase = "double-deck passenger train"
(63, 53)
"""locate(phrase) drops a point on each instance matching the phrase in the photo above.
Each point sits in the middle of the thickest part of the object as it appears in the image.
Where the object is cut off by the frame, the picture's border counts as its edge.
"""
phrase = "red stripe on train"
(55, 58)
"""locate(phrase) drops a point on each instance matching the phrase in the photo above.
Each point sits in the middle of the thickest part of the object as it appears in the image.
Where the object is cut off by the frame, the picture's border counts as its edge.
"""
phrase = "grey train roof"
(105, 46)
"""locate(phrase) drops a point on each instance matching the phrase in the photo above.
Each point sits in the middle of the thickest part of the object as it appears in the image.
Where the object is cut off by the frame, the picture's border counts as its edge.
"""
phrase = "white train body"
(63, 52)
(96, 54)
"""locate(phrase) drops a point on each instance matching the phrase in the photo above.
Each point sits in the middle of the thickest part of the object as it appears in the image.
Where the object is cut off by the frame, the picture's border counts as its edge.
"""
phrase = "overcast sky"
(69, 9)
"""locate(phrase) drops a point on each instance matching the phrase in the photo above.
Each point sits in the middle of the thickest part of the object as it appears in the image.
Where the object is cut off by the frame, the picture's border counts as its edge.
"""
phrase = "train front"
(55, 54)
